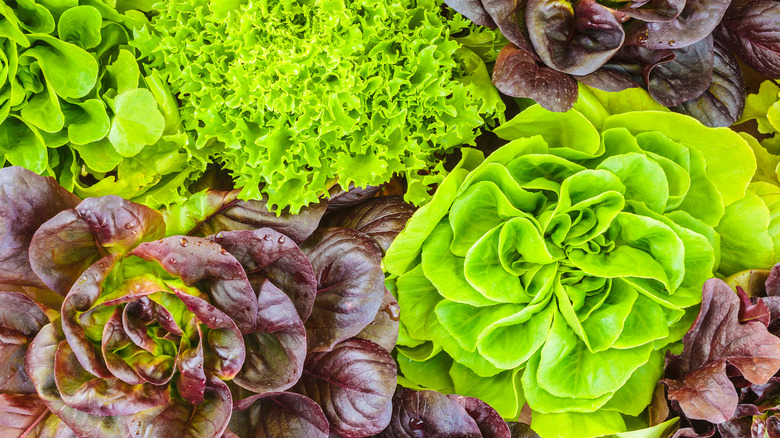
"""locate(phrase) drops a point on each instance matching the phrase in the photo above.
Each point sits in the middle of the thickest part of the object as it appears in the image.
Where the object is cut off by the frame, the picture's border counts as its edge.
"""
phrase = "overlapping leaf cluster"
(168, 336)
(679, 50)
(557, 270)
(291, 95)
(74, 103)
(726, 381)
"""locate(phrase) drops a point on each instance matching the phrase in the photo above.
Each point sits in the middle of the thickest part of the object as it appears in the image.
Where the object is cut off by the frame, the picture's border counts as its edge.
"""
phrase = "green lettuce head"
(557, 270)
(292, 95)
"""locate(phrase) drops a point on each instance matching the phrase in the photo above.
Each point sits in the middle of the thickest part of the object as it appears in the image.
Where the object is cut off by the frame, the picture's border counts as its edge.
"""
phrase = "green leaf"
(137, 122)
(69, 70)
(432, 373)
(744, 236)
(87, 121)
(564, 425)
(503, 392)
(23, 145)
(80, 25)
(99, 156)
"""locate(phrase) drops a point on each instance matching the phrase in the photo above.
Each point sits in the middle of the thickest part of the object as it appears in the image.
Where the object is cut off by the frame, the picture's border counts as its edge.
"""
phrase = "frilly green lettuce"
(292, 95)
(559, 269)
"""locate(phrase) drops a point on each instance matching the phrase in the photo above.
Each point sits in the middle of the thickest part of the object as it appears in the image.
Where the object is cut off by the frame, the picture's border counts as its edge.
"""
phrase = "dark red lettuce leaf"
(196, 260)
(20, 414)
(574, 39)
(435, 415)
(653, 10)
(723, 102)
(181, 420)
(251, 215)
(383, 330)
(354, 385)
(750, 28)
(279, 415)
(20, 320)
(509, 15)
(70, 242)
(39, 365)
(268, 254)
(380, 218)
(343, 198)
(516, 73)
(752, 310)
(613, 76)
(685, 76)
(350, 283)
(490, 423)
(275, 352)
(697, 378)
(473, 10)
(696, 21)
(27, 200)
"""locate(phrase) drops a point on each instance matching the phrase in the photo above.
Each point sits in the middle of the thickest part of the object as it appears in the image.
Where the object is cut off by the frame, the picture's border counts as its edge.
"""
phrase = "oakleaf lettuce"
(556, 270)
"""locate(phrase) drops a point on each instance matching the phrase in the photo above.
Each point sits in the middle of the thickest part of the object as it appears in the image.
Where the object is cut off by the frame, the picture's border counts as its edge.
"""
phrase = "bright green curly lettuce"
(292, 95)
(75, 105)
(559, 269)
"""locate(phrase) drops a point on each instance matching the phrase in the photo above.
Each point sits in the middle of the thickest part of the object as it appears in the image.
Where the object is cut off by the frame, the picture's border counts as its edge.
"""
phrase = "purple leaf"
(39, 364)
(490, 423)
(20, 321)
(350, 283)
(194, 260)
(279, 415)
(750, 28)
(749, 311)
(181, 420)
(70, 242)
(429, 414)
(252, 215)
(192, 381)
(517, 74)
(115, 338)
(268, 254)
(723, 102)
(226, 354)
(20, 413)
(99, 396)
(612, 76)
(684, 77)
(696, 21)
(383, 330)
(354, 385)
(380, 218)
(573, 39)
(509, 16)
(473, 10)
(697, 378)
(81, 298)
(653, 10)
(275, 353)
(27, 200)
(341, 198)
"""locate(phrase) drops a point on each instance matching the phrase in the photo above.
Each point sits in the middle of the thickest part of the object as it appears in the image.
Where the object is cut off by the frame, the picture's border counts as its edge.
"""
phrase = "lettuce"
(557, 270)
(75, 104)
(290, 96)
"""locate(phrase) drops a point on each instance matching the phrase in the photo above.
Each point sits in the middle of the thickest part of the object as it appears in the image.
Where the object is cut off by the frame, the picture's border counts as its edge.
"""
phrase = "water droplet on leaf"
(183, 241)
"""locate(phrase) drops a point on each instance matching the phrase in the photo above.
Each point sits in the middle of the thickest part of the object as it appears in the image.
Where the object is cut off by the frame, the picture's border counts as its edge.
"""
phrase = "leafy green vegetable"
(556, 270)
(291, 95)
(75, 105)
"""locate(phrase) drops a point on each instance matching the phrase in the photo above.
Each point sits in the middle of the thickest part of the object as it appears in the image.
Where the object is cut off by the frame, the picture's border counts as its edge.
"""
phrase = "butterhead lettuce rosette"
(557, 270)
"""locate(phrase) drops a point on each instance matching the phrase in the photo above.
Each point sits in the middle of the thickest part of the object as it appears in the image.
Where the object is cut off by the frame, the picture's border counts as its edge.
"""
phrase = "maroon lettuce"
(189, 335)
(681, 51)
(726, 381)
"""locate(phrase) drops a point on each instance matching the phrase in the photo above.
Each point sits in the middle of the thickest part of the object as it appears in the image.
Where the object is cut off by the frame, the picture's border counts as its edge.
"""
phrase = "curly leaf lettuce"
(556, 270)
(349, 90)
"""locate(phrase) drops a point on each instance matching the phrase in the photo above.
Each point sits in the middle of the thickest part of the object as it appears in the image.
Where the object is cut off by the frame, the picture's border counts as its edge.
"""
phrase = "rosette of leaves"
(557, 270)
(725, 382)
(399, 94)
(168, 335)
(75, 104)
(681, 51)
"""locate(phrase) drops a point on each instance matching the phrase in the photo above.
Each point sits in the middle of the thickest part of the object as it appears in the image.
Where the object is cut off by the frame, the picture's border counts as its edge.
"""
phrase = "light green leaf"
(137, 122)
(745, 242)
(569, 424)
(87, 121)
(70, 70)
(503, 392)
(80, 25)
